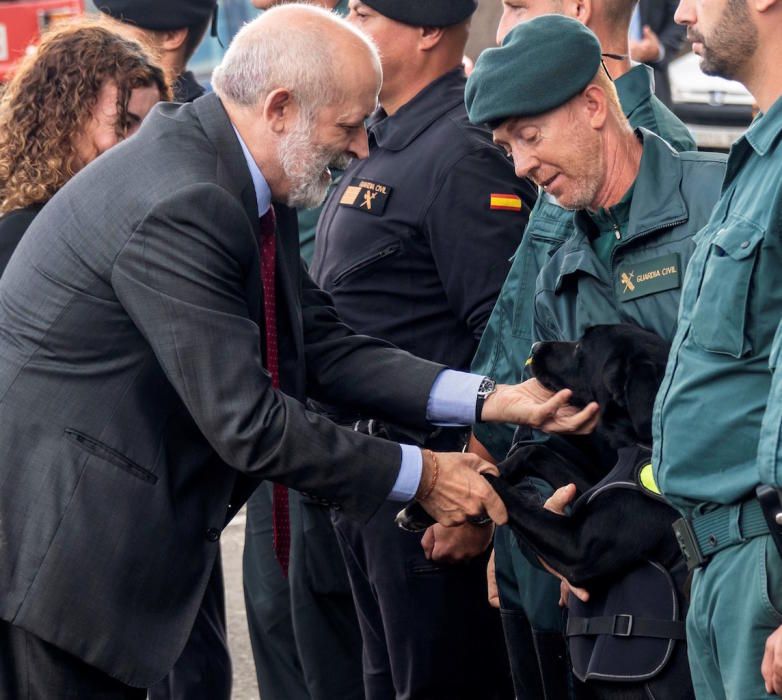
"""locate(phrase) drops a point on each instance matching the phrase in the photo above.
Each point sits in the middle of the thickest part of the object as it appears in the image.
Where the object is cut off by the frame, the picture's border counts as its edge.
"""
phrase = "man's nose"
(359, 146)
(684, 13)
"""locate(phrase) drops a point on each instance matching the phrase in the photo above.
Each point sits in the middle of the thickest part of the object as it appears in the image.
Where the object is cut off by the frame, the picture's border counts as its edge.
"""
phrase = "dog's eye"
(577, 349)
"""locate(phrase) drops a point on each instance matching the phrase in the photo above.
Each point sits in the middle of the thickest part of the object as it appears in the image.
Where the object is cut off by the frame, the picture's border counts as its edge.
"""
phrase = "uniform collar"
(764, 131)
(657, 203)
(657, 200)
(398, 131)
(186, 88)
(635, 87)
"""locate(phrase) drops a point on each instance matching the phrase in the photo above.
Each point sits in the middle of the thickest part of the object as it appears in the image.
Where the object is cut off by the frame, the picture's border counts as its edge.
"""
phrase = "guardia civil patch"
(367, 196)
(505, 202)
(648, 277)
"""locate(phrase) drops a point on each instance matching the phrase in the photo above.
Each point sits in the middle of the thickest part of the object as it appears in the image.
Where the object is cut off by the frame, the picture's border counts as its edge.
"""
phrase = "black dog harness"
(628, 629)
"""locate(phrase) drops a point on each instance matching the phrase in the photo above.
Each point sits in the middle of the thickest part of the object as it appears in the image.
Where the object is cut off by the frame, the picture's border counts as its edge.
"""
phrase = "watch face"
(487, 386)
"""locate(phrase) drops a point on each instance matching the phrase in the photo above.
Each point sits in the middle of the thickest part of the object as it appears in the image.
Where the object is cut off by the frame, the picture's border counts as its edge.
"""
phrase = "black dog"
(618, 532)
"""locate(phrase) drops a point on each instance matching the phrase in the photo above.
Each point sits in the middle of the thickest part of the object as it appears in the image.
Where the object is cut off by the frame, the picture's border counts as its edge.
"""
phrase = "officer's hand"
(530, 403)
(491, 584)
(454, 545)
(452, 489)
(771, 667)
(557, 503)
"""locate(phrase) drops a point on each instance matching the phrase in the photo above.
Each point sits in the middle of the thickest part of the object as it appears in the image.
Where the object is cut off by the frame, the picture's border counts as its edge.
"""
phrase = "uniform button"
(213, 534)
(745, 244)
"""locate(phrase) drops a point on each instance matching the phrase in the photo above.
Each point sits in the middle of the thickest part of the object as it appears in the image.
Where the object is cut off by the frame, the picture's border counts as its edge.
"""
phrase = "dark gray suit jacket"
(135, 414)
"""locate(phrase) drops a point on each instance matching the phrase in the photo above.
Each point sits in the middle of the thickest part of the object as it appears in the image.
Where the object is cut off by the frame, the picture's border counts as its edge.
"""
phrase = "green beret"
(425, 13)
(541, 65)
(159, 14)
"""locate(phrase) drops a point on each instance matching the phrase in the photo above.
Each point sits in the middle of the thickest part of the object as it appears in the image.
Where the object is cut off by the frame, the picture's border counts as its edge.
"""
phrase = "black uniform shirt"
(187, 88)
(414, 243)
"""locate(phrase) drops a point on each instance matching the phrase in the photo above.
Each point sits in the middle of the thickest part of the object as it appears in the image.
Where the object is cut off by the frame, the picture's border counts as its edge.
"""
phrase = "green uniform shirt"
(639, 278)
(308, 218)
(508, 335)
(718, 415)
(611, 224)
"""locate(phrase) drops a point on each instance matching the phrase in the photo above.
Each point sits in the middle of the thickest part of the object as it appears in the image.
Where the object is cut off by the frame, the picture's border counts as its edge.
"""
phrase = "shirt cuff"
(409, 474)
(452, 398)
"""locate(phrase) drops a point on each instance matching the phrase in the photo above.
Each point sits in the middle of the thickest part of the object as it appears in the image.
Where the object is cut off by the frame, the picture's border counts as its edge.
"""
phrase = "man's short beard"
(304, 164)
(733, 41)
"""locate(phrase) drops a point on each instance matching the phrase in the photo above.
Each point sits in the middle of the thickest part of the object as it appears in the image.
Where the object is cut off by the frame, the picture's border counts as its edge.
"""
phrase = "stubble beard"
(733, 41)
(587, 176)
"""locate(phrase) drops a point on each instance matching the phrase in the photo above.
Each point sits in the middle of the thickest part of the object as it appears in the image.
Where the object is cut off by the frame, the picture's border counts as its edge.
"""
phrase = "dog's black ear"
(615, 379)
(641, 384)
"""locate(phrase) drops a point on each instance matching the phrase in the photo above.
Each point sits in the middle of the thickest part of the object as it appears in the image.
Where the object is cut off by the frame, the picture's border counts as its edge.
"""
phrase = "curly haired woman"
(80, 92)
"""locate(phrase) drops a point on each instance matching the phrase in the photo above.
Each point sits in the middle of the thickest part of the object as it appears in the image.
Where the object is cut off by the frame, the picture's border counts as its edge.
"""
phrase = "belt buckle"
(685, 537)
(623, 617)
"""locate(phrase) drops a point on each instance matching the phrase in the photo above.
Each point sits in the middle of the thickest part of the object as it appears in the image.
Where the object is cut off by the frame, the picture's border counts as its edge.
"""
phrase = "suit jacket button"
(213, 534)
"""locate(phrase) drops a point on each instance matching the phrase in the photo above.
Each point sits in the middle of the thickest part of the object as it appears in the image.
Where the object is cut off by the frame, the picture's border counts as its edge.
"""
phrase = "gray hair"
(267, 55)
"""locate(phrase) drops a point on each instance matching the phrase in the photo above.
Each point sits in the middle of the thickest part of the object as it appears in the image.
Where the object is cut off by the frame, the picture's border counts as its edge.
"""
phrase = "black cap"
(159, 14)
(425, 13)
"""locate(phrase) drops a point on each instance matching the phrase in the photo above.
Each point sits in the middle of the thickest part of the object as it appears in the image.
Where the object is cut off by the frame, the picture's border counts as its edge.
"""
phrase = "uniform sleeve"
(356, 371)
(472, 240)
(181, 279)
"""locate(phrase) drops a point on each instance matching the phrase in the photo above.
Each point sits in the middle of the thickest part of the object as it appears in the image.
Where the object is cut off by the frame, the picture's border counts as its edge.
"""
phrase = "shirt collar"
(398, 131)
(635, 87)
(263, 195)
(763, 132)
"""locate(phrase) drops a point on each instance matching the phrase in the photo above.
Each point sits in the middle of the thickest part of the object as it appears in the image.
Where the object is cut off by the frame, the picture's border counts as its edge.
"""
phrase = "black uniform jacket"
(414, 244)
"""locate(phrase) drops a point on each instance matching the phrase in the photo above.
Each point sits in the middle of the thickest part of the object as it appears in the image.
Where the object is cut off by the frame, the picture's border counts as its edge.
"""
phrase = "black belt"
(624, 626)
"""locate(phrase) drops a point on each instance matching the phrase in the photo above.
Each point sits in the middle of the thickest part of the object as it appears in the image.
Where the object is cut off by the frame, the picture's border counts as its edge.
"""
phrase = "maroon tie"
(280, 511)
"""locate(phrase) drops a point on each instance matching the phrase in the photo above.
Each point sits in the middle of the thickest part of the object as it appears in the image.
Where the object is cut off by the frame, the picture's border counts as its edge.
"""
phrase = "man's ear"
(279, 109)
(579, 9)
(596, 105)
(173, 39)
(430, 37)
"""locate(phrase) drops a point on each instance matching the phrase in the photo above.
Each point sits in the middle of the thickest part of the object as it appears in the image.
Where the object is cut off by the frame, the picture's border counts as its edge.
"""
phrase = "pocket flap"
(738, 238)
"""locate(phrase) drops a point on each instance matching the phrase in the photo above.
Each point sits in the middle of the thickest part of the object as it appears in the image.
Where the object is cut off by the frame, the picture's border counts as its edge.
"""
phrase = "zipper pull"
(617, 233)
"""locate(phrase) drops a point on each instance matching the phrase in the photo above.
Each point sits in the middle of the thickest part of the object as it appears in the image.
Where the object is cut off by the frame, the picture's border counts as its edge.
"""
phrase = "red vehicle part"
(21, 24)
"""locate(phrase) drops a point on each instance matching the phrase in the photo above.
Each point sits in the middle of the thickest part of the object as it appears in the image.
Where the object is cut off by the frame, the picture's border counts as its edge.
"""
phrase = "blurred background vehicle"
(717, 111)
(22, 21)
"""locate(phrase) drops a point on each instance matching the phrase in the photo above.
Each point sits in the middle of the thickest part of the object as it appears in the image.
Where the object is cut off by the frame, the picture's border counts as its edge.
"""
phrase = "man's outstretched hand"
(530, 403)
(452, 488)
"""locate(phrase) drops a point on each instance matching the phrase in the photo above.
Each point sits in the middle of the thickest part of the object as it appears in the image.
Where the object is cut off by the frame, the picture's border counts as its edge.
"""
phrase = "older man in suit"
(157, 335)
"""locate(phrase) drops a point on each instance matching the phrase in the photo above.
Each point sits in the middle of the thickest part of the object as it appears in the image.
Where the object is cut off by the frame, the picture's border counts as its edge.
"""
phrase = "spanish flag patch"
(505, 202)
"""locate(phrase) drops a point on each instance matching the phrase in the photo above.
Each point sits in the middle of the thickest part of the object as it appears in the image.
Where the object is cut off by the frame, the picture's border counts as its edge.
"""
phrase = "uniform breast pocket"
(369, 260)
(719, 315)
